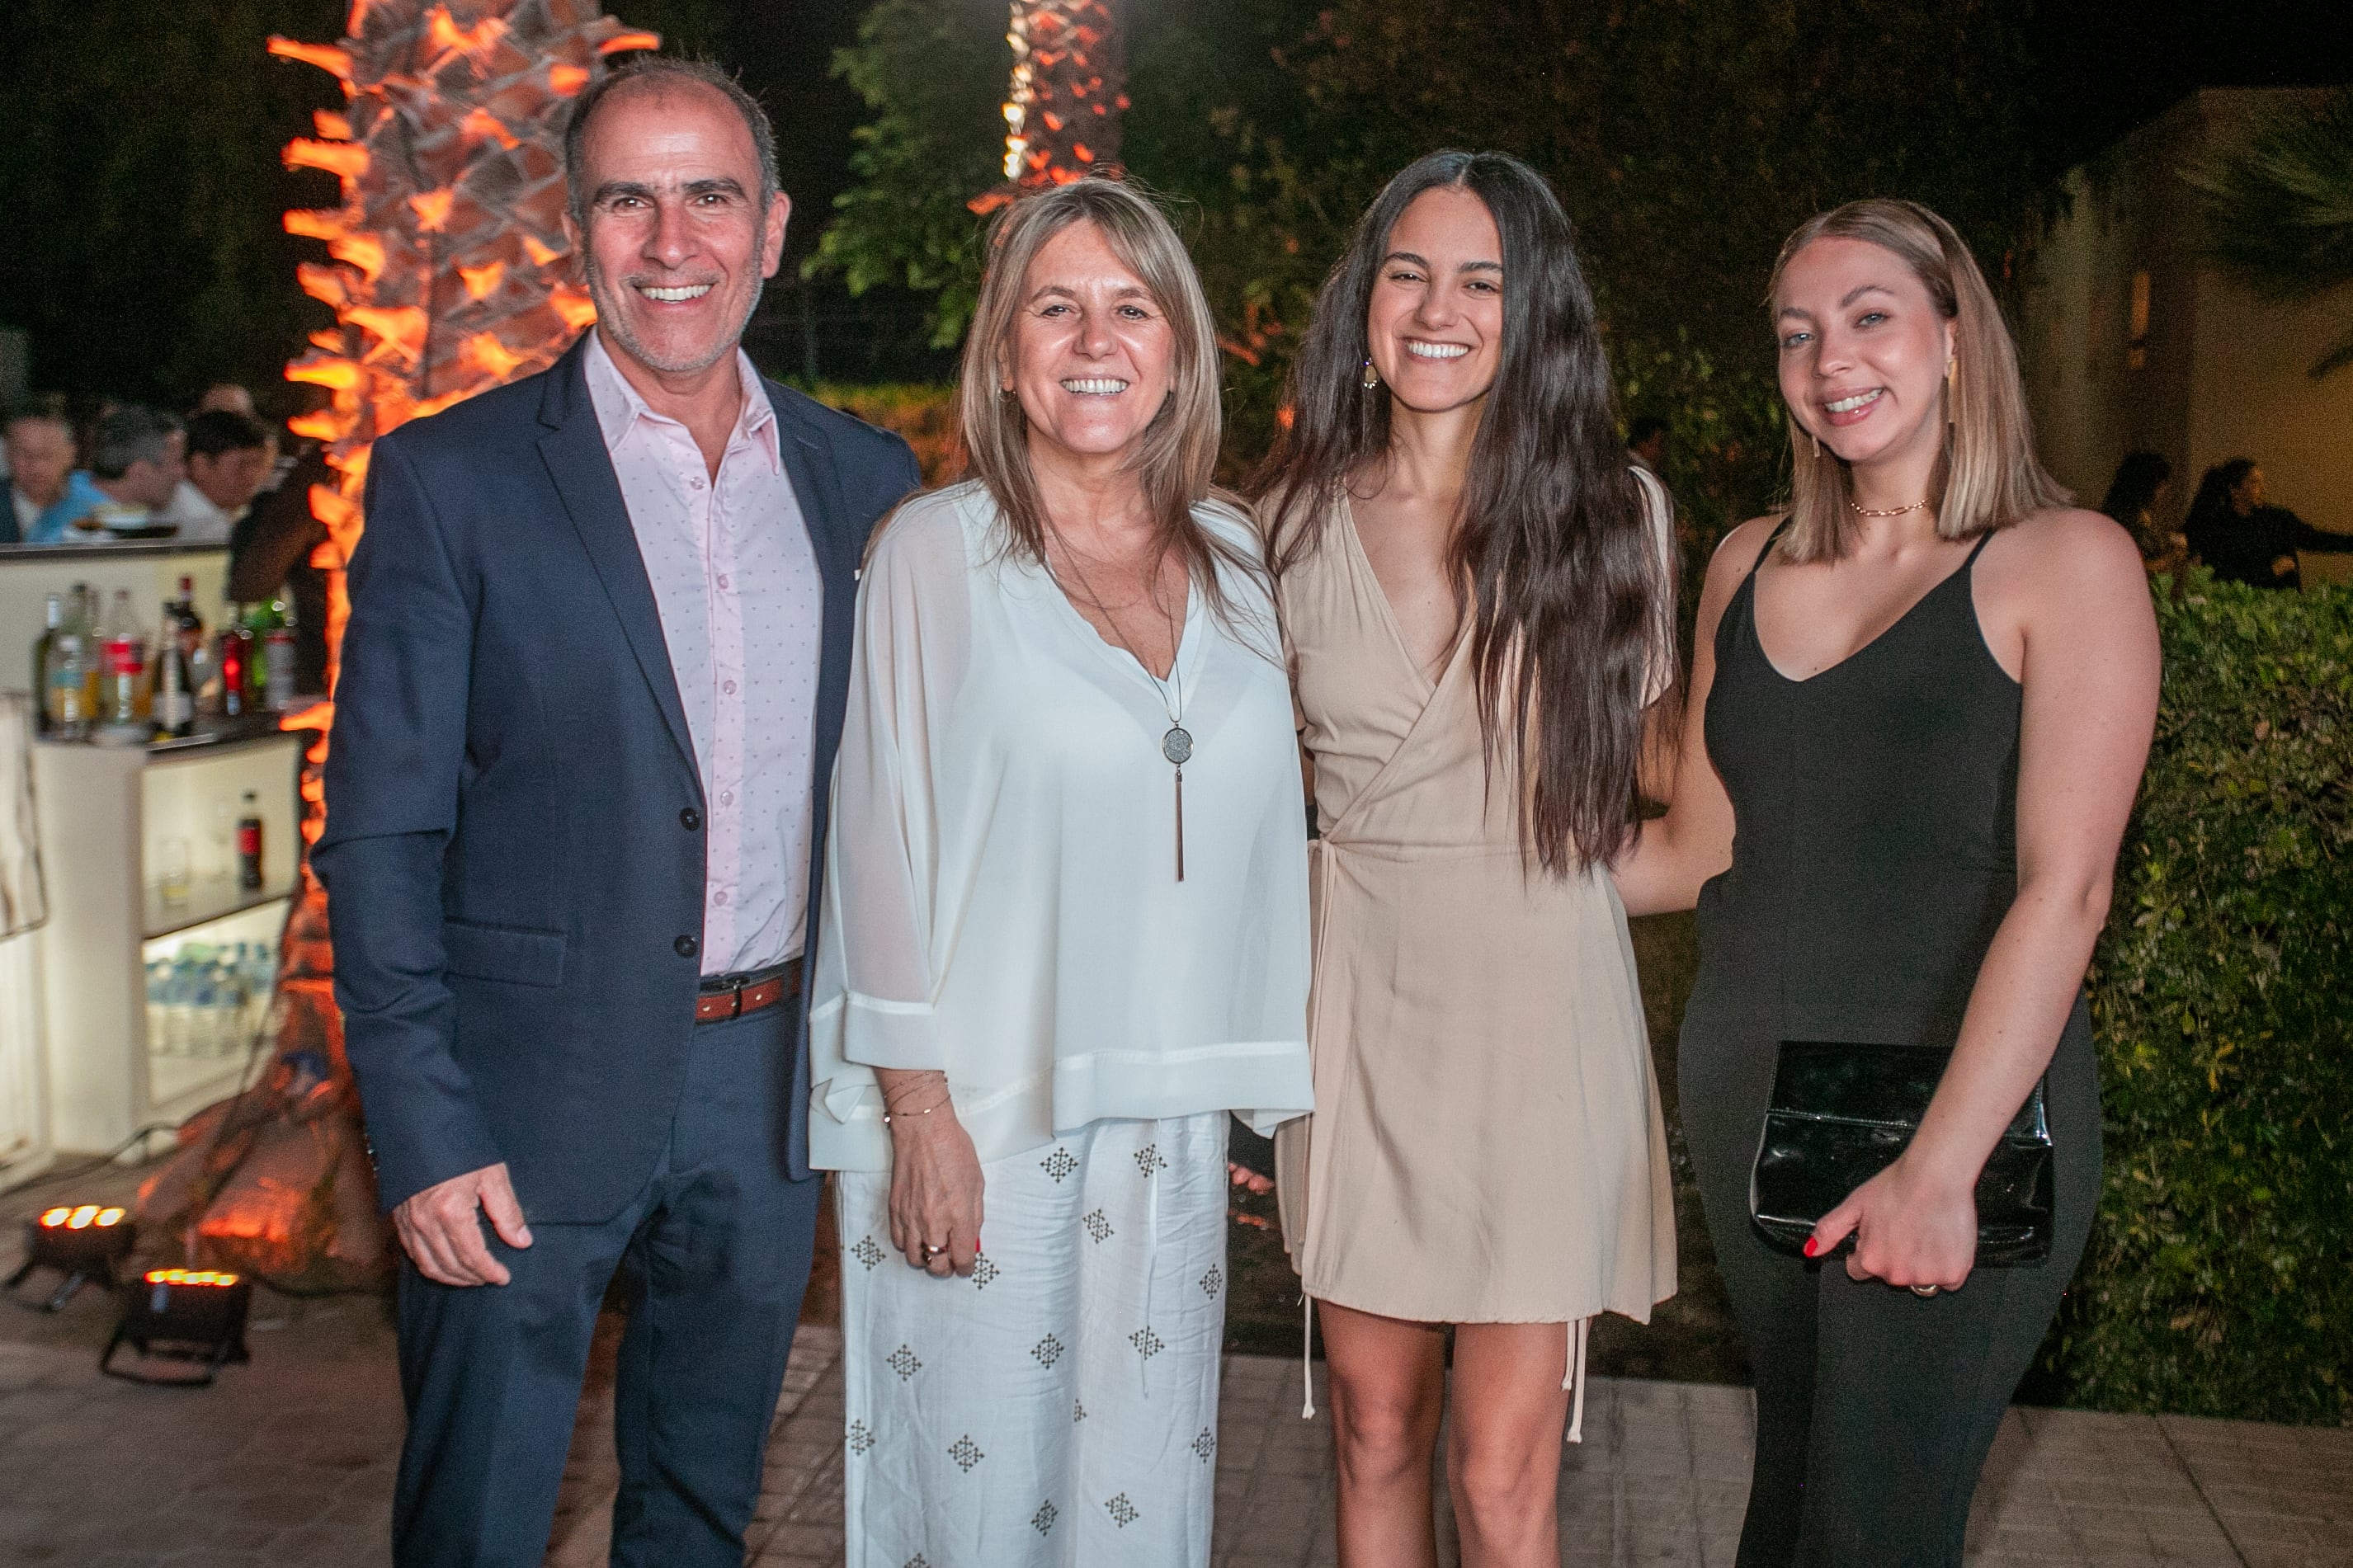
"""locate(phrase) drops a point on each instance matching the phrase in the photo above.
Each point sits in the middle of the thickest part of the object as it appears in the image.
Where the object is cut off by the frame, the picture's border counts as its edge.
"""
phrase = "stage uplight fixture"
(191, 1317)
(83, 1242)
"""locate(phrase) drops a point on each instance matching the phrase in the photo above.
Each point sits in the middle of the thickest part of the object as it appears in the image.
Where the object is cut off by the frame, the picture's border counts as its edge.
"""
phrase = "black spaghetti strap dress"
(1875, 856)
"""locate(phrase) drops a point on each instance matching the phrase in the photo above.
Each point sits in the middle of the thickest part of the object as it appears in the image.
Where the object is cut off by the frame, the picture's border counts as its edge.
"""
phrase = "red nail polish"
(1812, 1246)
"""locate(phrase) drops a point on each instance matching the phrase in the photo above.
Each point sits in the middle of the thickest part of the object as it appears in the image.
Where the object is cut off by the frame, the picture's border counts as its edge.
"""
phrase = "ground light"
(81, 1241)
(192, 1317)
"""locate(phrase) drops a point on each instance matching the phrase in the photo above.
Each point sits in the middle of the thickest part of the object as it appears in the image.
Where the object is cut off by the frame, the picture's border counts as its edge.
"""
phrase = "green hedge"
(924, 414)
(2220, 1280)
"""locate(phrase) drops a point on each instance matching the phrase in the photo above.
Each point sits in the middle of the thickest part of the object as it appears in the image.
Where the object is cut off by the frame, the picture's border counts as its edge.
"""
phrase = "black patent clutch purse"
(1841, 1113)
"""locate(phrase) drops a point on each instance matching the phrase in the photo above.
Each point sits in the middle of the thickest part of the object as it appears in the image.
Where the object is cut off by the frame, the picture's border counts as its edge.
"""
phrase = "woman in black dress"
(1922, 698)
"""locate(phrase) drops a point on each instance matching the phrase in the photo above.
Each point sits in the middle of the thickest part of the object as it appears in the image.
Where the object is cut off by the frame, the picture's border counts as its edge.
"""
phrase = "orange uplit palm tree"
(449, 274)
(1062, 111)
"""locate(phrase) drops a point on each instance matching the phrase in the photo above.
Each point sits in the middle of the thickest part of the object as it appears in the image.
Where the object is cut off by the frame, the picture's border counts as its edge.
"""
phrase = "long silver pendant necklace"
(1177, 745)
(1176, 741)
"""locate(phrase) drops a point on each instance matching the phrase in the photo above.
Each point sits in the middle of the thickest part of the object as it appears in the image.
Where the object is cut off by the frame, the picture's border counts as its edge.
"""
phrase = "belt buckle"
(732, 988)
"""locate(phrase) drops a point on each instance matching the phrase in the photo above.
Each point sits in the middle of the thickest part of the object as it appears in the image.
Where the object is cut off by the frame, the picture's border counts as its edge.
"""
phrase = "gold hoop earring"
(1372, 376)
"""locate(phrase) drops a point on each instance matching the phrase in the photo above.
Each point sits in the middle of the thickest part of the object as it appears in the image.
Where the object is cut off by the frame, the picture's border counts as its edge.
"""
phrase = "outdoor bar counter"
(133, 1003)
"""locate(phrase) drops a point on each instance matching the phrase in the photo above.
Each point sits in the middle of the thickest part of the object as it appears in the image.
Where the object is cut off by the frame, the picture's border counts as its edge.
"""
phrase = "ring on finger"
(1924, 1291)
(931, 1251)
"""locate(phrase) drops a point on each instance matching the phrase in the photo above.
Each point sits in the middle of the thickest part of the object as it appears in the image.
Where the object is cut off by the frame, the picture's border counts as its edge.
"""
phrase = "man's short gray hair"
(130, 434)
(659, 73)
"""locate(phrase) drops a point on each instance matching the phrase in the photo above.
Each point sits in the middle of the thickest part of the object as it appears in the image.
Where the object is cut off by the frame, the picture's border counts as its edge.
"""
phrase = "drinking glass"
(171, 872)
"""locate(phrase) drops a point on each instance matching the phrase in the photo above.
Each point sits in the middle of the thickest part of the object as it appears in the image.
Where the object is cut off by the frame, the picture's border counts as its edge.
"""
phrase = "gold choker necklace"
(1883, 510)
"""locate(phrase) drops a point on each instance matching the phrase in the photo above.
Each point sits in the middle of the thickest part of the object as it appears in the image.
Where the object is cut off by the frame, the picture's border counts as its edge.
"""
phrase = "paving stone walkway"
(290, 1461)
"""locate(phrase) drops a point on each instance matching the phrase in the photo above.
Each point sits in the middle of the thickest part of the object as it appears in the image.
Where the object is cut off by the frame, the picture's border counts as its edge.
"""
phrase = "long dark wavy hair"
(2134, 489)
(2210, 507)
(1558, 569)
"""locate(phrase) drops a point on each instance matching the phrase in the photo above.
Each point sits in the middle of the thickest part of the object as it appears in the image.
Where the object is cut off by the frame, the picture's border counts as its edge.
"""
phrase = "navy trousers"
(715, 1256)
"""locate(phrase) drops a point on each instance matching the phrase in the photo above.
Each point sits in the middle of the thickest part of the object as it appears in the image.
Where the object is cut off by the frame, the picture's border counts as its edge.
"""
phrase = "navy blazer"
(514, 848)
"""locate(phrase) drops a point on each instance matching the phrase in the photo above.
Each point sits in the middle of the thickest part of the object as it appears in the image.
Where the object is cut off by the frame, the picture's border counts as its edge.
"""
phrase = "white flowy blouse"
(1001, 900)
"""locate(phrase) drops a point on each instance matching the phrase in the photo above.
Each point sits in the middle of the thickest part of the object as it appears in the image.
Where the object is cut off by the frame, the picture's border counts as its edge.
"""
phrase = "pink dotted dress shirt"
(736, 584)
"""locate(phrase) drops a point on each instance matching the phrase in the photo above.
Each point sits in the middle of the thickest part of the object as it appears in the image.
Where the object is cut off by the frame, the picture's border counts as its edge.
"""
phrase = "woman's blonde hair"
(1988, 476)
(1177, 455)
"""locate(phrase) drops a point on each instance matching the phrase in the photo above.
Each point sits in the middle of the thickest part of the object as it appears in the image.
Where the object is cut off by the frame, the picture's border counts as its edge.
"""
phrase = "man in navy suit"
(591, 690)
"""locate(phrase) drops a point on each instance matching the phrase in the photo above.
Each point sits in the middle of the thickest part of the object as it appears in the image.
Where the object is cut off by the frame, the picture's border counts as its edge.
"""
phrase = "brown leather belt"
(726, 996)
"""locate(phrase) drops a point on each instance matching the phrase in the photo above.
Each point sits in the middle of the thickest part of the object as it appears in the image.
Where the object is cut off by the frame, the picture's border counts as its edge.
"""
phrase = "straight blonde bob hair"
(1177, 454)
(1988, 476)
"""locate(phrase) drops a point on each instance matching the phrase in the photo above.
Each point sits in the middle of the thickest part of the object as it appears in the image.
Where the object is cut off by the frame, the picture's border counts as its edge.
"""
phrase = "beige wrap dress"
(1486, 1144)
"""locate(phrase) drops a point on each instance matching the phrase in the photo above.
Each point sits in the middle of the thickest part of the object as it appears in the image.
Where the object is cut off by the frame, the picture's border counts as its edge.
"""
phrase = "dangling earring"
(1817, 440)
(1372, 376)
(1950, 388)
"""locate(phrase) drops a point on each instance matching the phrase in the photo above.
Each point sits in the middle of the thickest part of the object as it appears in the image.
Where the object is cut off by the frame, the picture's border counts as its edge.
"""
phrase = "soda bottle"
(123, 672)
(122, 699)
(249, 844)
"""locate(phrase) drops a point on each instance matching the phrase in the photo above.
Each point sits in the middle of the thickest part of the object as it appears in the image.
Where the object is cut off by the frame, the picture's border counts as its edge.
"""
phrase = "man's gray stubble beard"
(613, 322)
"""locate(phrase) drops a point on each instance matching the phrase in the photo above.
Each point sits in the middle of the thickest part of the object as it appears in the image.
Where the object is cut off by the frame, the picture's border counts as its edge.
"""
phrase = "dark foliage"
(2220, 1280)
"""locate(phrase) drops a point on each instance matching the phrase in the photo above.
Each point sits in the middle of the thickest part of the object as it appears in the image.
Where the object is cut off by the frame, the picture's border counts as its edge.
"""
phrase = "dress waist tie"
(1307, 1361)
(1575, 1378)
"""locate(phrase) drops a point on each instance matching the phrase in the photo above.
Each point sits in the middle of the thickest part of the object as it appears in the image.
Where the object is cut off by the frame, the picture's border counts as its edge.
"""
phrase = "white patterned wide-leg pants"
(1060, 1407)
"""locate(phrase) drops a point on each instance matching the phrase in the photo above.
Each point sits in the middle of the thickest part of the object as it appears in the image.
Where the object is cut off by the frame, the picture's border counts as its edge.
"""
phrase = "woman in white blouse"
(1065, 932)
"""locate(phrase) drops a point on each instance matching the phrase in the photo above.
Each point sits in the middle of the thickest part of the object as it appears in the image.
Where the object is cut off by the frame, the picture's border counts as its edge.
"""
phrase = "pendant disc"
(1177, 745)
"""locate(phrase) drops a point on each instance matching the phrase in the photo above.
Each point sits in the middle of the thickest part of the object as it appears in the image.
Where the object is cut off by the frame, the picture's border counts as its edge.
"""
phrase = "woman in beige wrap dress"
(1486, 1152)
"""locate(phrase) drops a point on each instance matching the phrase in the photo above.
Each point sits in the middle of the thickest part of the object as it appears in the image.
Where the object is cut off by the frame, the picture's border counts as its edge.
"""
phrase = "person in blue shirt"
(46, 492)
(137, 456)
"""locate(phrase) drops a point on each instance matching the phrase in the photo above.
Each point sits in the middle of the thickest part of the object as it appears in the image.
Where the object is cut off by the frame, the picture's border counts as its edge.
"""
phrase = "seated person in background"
(2133, 497)
(270, 557)
(46, 492)
(137, 461)
(1646, 448)
(1646, 442)
(2232, 532)
(231, 457)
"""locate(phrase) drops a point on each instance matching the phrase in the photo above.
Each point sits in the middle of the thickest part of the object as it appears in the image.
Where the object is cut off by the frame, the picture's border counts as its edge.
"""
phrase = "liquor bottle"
(53, 621)
(174, 708)
(236, 673)
(278, 650)
(202, 679)
(93, 654)
(259, 617)
(249, 844)
(65, 685)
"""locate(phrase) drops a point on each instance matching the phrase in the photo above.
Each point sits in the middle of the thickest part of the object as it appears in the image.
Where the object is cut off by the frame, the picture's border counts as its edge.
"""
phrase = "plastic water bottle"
(231, 1036)
(179, 1002)
(159, 1008)
(204, 1010)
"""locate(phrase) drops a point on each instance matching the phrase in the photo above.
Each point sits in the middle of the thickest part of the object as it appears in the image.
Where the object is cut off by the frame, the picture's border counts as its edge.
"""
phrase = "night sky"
(2109, 66)
(80, 256)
